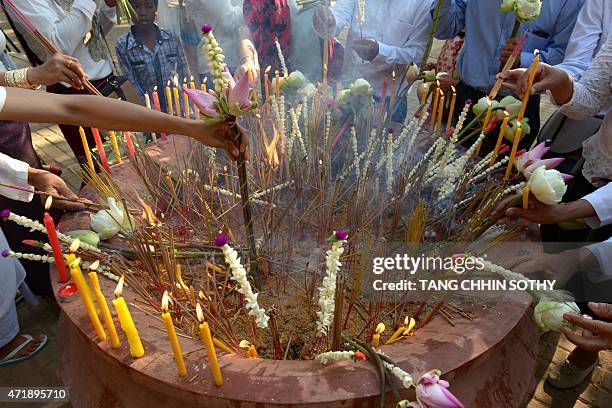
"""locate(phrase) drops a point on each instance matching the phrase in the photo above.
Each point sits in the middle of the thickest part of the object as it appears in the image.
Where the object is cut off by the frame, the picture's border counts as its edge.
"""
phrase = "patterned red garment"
(267, 20)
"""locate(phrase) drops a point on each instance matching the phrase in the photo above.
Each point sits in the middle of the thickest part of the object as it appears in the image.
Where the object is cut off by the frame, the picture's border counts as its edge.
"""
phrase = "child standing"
(150, 56)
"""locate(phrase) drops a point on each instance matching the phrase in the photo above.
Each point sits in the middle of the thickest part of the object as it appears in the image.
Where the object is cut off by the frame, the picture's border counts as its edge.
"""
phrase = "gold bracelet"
(19, 79)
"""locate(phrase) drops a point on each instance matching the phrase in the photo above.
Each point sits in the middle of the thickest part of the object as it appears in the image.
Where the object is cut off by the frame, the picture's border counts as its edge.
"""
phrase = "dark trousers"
(532, 112)
(70, 132)
(16, 141)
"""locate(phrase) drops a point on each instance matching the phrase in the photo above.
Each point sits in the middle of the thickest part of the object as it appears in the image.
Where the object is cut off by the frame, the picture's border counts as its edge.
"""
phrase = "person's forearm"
(90, 111)
(563, 91)
(575, 210)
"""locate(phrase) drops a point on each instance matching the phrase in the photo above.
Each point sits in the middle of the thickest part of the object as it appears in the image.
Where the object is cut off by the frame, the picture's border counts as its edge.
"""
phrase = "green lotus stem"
(434, 27)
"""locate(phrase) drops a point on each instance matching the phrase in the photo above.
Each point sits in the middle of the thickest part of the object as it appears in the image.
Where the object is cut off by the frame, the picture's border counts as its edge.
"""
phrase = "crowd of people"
(369, 39)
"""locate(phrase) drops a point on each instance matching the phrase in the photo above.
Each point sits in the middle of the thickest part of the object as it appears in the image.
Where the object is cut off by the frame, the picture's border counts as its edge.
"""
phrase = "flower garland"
(330, 356)
(327, 291)
(239, 274)
(215, 58)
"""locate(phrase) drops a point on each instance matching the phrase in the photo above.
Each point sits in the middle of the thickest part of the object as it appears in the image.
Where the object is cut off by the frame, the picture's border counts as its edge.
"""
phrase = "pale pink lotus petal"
(204, 101)
(240, 94)
(552, 163)
(538, 151)
(548, 163)
(432, 393)
(566, 177)
(229, 77)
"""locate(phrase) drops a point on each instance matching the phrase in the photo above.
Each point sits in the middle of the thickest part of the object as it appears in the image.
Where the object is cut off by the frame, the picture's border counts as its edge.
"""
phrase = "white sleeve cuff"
(14, 173)
(601, 200)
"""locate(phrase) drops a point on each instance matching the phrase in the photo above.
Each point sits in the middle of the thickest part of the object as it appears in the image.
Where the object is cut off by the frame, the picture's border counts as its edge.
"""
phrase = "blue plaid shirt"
(147, 68)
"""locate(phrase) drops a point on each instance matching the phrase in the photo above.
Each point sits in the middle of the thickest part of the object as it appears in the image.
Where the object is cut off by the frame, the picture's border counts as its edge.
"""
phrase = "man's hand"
(367, 48)
(539, 265)
(323, 19)
(221, 135)
(58, 68)
(507, 51)
(545, 214)
(47, 182)
(600, 336)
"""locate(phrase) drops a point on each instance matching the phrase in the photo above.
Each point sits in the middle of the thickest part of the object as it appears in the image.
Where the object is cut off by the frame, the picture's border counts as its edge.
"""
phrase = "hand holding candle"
(210, 348)
(126, 322)
(174, 343)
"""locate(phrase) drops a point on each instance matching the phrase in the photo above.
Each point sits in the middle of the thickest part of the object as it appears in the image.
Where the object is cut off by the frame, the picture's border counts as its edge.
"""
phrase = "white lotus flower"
(527, 10)
(547, 185)
(108, 223)
(549, 315)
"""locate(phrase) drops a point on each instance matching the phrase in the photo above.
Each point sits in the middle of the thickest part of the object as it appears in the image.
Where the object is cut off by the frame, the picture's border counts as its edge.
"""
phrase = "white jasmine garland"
(216, 64)
(389, 162)
(327, 291)
(356, 155)
(239, 274)
(402, 375)
(331, 356)
(281, 58)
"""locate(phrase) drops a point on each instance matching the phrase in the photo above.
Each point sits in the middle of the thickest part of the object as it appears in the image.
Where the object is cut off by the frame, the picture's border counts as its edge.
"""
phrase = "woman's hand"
(221, 135)
(58, 68)
(545, 214)
(547, 78)
(599, 336)
(47, 182)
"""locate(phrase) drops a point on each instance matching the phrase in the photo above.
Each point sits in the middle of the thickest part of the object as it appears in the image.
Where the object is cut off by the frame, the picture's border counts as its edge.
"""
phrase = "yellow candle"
(169, 99)
(191, 83)
(517, 138)
(406, 327)
(376, 337)
(267, 82)
(85, 294)
(532, 73)
(177, 101)
(277, 84)
(452, 108)
(115, 146)
(70, 257)
(488, 115)
(525, 198)
(434, 108)
(126, 322)
(210, 348)
(176, 347)
(86, 148)
(502, 131)
(440, 113)
(186, 104)
(223, 346)
(101, 300)
(148, 105)
(203, 84)
(251, 351)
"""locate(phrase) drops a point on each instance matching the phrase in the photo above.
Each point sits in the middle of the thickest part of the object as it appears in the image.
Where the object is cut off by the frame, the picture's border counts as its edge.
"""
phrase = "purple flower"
(469, 102)
(390, 130)
(221, 240)
(5, 213)
(206, 28)
(341, 235)
(289, 105)
(5, 253)
(432, 392)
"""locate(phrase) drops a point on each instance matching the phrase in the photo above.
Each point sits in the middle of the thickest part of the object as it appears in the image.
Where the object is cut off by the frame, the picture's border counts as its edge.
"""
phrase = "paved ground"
(42, 371)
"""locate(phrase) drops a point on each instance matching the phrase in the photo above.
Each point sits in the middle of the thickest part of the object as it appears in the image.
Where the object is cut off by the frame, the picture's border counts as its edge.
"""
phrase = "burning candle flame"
(453, 88)
(48, 202)
(164, 302)
(201, 295)
(155, 88)
(76, 262)
(380, 328)
(119, 288)
(75, 245)
(245, 344)
(406, 320)
(94, 266)
(199, 312)
(267, 71)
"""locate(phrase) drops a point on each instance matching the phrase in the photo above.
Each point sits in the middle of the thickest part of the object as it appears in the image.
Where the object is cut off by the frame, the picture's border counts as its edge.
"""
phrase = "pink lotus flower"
(529, 161)
(235, 101)
(432, 392)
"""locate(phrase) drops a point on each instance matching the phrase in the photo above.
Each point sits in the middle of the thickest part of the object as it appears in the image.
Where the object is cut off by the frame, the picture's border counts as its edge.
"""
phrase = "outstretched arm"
(107, 113)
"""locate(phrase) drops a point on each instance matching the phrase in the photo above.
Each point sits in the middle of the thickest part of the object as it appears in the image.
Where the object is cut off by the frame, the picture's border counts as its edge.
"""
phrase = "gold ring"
(69, 63)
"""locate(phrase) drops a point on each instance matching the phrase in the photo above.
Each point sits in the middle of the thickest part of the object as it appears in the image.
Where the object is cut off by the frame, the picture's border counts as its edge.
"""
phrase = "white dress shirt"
(590, 33)
(601, 200)
(67, 30)
(401, 28)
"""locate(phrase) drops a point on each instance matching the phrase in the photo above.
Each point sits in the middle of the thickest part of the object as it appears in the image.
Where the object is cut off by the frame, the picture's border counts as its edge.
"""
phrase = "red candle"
(54, 242)
(158, 107)
(128, 140)
(100, 147)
